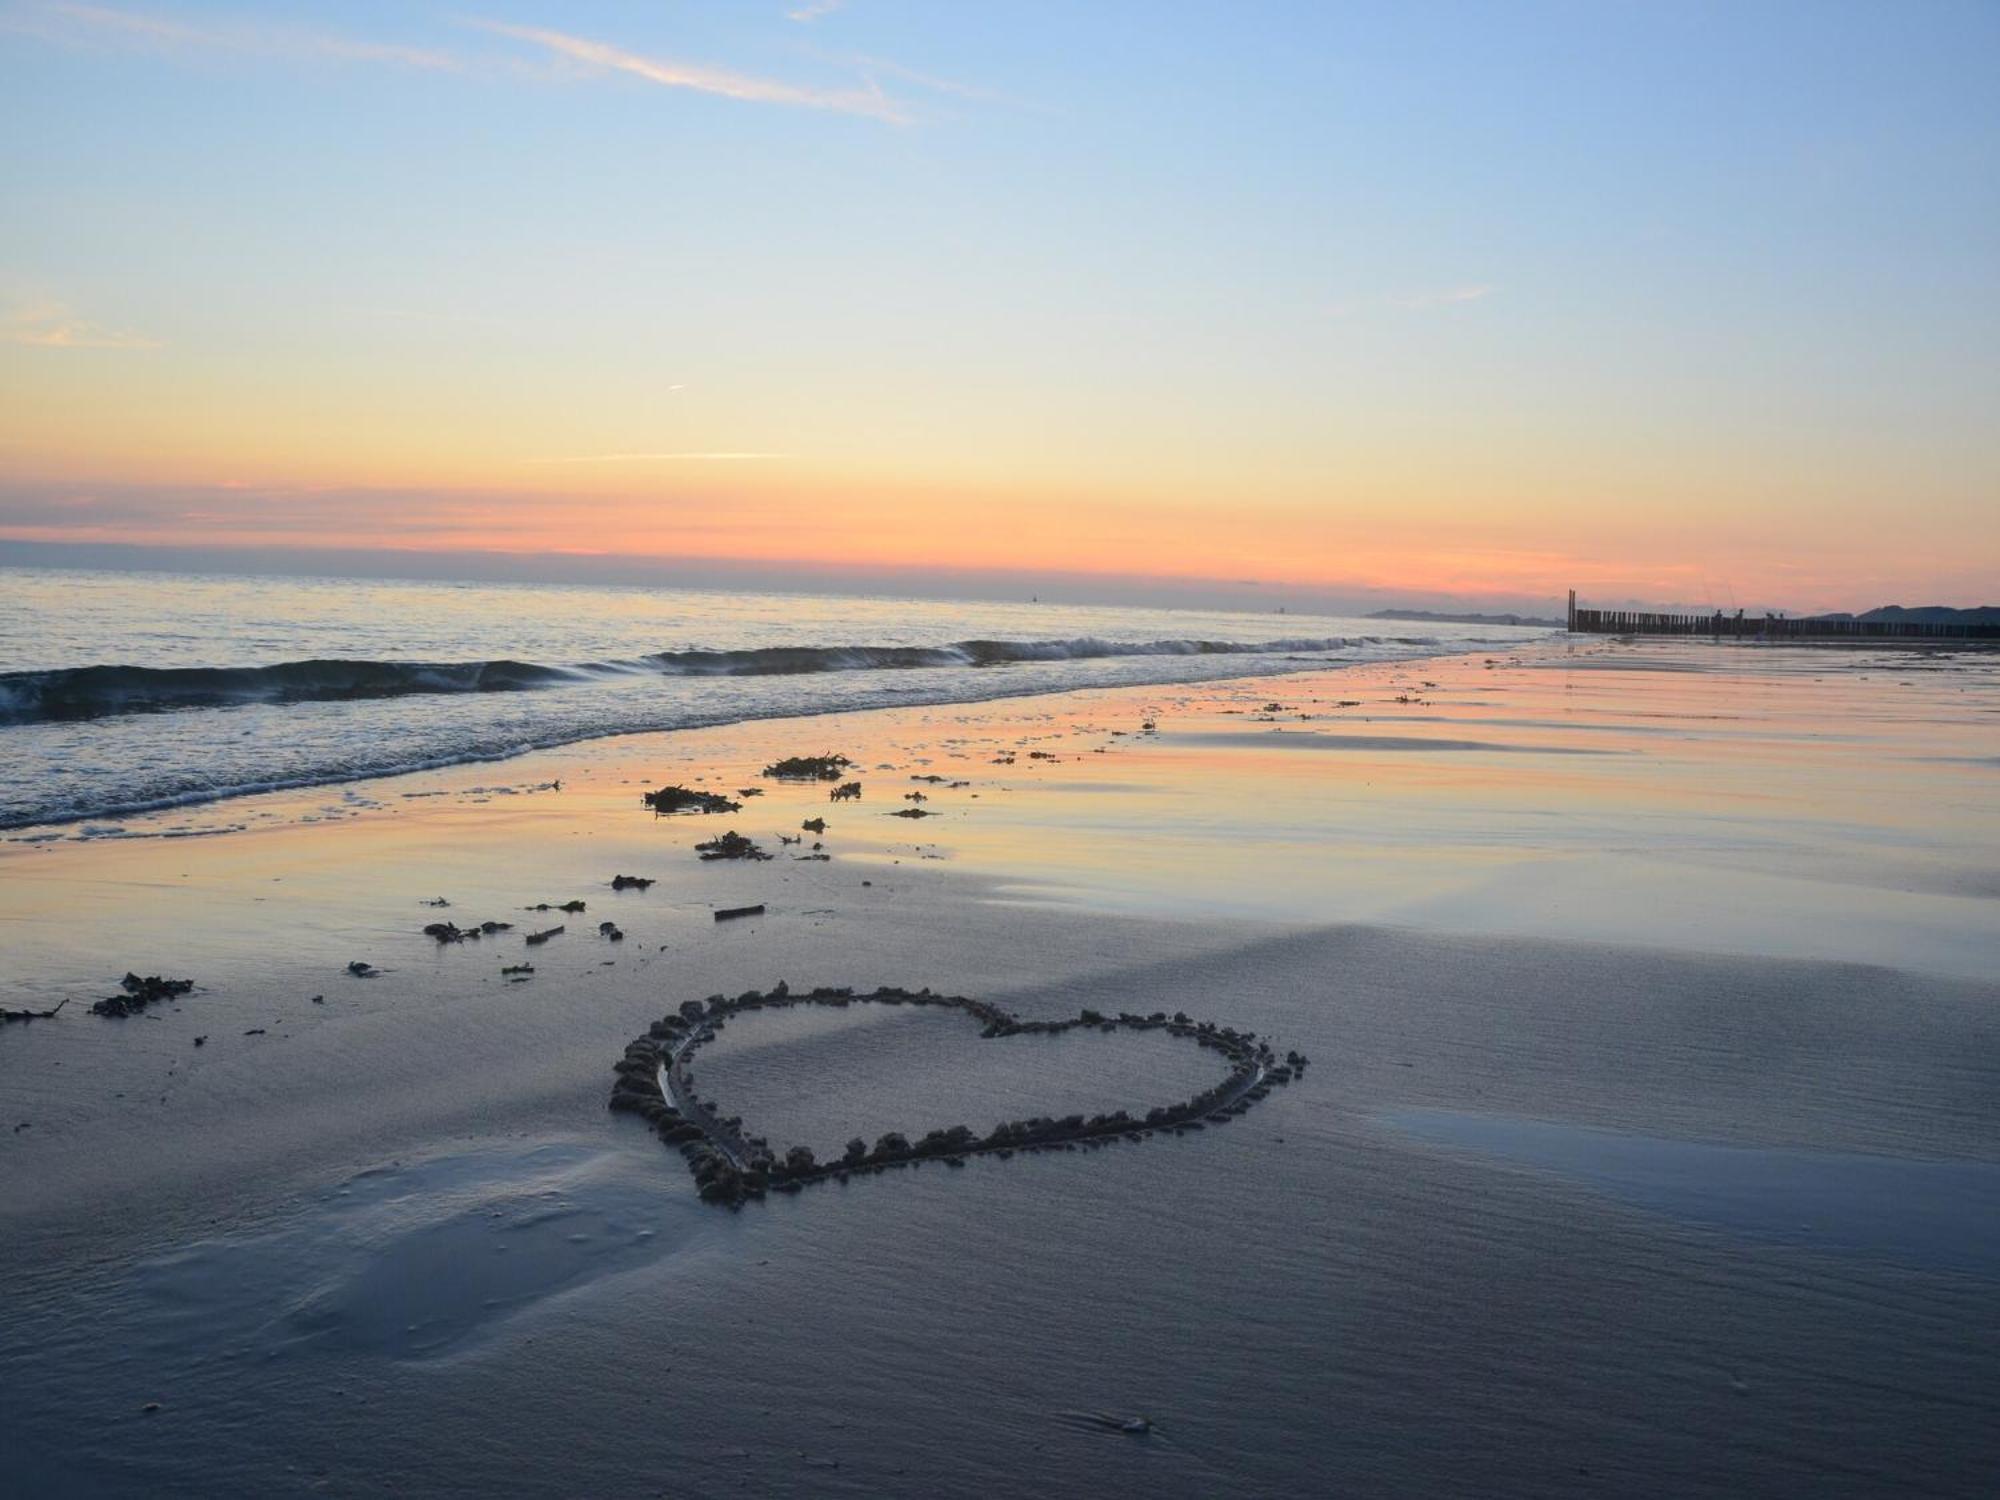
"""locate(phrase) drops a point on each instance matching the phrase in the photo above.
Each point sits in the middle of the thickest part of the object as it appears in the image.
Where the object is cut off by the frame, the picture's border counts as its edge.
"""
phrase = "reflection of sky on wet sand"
(1782, 803)
(1933, 1215)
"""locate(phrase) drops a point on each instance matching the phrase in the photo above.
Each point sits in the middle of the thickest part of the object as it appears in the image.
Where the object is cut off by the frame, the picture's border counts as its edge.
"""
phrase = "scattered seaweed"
(24, 1016)
(450, 932)
(732, 845)
(847, 791)
(807, 768)
(631, 882)
(136, 994)
(680, 799)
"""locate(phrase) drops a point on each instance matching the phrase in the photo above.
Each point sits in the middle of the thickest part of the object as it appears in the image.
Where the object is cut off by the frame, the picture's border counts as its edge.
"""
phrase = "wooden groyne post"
(1739, 626)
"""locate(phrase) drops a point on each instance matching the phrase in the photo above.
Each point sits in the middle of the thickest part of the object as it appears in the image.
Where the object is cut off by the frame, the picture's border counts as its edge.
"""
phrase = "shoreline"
(1555, 644)
(18, 830)
(127, 714)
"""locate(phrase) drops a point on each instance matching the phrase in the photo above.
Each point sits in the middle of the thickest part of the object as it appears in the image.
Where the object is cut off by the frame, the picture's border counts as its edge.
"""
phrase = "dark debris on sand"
(731, 845)
(451, 932)
(680, 799)
(29, 1015)
(139, 993)
(808, 768)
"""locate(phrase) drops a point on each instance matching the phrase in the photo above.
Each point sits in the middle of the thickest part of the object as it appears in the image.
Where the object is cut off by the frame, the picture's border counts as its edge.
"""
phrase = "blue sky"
(1565, 280)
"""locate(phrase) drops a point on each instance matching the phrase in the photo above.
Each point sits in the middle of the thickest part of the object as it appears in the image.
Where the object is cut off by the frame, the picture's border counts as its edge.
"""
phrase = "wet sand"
(1642, 984)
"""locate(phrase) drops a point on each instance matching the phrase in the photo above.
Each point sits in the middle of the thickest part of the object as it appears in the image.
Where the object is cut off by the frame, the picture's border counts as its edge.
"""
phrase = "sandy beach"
(1651, 1120)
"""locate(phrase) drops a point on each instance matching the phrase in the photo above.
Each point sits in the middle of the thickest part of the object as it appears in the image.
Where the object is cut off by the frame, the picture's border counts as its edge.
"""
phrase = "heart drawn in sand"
(731, 1166)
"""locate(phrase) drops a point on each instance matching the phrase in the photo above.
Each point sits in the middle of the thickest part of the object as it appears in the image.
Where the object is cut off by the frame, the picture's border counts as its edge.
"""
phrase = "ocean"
(129, 692)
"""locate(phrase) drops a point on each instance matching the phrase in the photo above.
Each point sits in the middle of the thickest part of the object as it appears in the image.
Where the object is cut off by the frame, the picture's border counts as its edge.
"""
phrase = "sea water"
(122, 693)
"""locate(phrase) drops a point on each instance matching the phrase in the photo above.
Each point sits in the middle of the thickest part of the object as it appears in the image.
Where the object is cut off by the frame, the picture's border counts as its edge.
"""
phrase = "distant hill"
(1929, 614)
(1437, 617)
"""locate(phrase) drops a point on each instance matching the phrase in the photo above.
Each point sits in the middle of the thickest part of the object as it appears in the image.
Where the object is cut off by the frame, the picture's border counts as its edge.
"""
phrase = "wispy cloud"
(653, 458)
(62, 20)
(1444, 297)
(931, 81)
(870, 66)
(50, 325)
(868, 101)
(77, 23)
(1451, 296)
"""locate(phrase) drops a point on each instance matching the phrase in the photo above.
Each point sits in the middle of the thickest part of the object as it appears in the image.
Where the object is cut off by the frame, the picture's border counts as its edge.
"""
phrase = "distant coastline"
(1443, 617)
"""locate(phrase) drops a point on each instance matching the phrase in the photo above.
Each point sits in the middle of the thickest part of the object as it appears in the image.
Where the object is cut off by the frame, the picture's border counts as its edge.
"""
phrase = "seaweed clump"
(139, 993)
(731, 845)
(679, 799)
(30, 1015)
(808, 768)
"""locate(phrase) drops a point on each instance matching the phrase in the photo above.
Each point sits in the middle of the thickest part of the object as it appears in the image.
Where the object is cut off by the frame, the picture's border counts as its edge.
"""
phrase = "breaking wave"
(99, 691)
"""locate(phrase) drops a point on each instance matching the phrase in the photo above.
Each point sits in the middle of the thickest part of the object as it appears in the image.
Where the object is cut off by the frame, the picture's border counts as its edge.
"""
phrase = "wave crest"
(98, 691)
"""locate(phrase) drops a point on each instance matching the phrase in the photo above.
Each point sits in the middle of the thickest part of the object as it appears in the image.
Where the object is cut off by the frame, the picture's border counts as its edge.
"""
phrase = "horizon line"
(494, 565)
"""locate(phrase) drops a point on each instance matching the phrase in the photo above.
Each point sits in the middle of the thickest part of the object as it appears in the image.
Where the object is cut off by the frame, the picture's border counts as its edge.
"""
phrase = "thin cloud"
(869, 66)
(869, 101)
(1411, 302)
(651, 458)
(1446, 297)
(929, 81)
(50, 325)
(813, 10)
(63, 20)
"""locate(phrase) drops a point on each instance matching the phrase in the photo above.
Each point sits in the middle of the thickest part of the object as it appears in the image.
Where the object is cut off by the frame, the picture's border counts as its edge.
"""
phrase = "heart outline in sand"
(731, 1168)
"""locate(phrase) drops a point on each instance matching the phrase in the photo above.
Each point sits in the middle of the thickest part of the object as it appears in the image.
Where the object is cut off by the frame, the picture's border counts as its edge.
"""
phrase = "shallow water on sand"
(1932, 1215)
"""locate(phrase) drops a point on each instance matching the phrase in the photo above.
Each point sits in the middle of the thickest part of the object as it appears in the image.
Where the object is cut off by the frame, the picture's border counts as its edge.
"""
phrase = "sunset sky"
(1676, 302)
